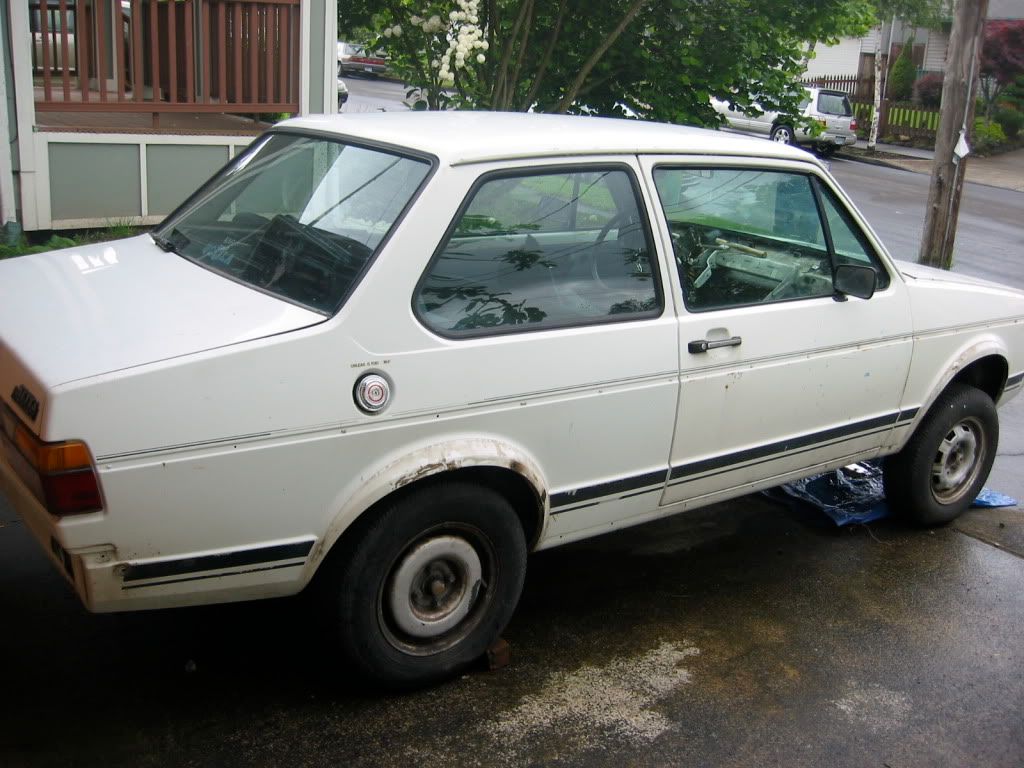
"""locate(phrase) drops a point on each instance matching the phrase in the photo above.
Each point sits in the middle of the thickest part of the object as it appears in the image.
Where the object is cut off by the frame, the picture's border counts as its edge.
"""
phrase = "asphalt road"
(746, 634)
(989, 245)
(373, 94)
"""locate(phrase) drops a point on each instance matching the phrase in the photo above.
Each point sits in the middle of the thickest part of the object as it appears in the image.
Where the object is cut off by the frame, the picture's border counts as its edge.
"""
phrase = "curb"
(876, 161)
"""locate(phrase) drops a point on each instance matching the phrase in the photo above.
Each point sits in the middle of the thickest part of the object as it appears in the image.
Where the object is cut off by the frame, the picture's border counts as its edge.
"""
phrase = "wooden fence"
(231, 56)
(898, 119)
(845, 83)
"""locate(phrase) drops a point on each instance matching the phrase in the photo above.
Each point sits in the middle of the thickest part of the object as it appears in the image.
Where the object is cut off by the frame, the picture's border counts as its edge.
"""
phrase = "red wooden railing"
(233, 56)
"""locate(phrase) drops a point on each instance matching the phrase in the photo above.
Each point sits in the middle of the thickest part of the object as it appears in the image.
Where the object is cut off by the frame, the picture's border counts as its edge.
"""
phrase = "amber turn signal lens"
(52, 457)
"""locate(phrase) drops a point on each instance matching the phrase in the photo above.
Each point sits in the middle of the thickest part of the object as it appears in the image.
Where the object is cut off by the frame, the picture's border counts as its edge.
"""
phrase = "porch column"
(32, 188)
(8, 205)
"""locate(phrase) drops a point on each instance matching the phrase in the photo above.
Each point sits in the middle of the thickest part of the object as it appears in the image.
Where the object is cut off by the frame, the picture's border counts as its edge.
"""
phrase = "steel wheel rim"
(437, 590)
(958, 461)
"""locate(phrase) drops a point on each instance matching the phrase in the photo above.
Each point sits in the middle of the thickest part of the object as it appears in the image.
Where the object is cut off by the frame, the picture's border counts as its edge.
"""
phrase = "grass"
(39, 242)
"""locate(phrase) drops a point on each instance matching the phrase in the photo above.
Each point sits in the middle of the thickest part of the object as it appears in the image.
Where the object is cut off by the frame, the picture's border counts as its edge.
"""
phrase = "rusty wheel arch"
(987, 373)
(529, 503)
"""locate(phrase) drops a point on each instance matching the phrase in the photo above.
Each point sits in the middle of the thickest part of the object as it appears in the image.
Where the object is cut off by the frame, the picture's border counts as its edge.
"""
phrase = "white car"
(391, 354)
(830, 110)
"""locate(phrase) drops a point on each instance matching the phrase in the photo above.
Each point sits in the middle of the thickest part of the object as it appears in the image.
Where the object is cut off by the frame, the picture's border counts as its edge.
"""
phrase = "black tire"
(783, 134)
(825, 151)
(378, 587)
(943, 467)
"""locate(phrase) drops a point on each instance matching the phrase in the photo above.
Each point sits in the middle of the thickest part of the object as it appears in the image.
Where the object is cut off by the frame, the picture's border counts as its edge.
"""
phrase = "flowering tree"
(658, 59)
(1002, 59)
(436, 50)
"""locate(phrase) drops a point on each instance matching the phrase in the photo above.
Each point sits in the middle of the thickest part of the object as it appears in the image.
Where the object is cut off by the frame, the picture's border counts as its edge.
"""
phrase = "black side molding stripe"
(783, 446)
(908, 414)
(189, 565)
(209, 576)
(726, 462)
(565, 498)
(776, 457)
(562, 510)
(1014, 380)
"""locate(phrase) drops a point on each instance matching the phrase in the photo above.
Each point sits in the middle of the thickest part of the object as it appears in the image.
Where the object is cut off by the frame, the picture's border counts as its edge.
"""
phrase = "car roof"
(462, 137)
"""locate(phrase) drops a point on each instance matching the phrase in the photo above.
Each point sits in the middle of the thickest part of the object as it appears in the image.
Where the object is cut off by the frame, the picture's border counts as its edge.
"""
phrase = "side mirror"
(854, 280)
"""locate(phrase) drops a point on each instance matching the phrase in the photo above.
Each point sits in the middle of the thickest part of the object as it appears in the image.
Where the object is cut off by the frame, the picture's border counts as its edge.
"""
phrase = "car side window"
(744, 237)
(543, 249)
(851, 247)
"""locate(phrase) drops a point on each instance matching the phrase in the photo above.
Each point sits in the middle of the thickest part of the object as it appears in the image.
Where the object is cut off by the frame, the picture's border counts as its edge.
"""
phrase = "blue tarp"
(855, 494)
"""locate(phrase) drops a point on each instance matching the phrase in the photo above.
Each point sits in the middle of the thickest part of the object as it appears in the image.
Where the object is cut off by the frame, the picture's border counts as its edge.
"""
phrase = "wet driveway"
(748, 633)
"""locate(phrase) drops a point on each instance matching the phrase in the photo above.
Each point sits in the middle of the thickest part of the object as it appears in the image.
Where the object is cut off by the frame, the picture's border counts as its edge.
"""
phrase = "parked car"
(388, 355)
(356, 60)
(342, 93)
(830, 110)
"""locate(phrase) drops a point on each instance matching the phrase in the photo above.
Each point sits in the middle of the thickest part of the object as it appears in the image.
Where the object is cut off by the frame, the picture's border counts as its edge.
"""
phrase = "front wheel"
(943, 467)
(420, 590)
(783, 134)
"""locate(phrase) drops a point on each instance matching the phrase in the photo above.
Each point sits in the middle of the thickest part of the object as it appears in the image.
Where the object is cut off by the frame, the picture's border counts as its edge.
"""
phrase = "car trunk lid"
(81, 312)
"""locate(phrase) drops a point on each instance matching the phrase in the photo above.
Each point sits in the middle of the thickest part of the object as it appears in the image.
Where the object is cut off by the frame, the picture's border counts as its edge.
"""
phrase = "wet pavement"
(749, 633)
(746, 634)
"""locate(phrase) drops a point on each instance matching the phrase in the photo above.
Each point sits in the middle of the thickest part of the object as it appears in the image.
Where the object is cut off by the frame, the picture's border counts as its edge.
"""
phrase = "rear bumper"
(358, 67)
(44, 530)
(105, 583)
(831, 139)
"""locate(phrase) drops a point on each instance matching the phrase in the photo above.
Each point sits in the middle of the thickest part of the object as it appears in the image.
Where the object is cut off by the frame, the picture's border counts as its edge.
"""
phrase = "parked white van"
(391, 354)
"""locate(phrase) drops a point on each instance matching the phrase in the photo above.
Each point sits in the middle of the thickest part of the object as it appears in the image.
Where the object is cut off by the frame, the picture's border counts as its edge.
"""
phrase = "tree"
(1002, 60)
(901, 79)
(919, 13)
(656, 59)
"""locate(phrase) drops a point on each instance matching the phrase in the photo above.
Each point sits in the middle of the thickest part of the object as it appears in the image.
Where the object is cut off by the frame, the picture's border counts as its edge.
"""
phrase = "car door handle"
(703, 345)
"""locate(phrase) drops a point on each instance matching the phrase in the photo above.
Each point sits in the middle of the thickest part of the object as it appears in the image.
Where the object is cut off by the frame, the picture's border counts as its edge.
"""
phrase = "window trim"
(814, 181)
(376, 146)
(544, 170)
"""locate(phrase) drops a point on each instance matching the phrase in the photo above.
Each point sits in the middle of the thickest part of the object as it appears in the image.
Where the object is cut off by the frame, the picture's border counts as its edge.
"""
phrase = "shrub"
(901, 79)
(928, 90)
(1010, 120)
(1013, 94)
(986, 136)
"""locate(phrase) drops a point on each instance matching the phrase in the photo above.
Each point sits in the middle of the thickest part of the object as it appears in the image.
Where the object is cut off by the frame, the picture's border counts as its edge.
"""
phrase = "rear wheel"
(943, 467)
(783, 134)
(421, 590)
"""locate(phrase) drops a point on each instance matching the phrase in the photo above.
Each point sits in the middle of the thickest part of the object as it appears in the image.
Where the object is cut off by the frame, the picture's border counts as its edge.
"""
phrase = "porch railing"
(231, 56)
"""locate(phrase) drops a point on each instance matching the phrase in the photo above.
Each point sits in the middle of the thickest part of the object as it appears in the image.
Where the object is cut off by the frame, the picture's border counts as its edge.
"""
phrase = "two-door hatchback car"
(388, 355)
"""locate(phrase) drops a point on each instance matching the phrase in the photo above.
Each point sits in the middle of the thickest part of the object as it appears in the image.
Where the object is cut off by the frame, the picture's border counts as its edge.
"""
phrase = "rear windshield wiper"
(172, 243)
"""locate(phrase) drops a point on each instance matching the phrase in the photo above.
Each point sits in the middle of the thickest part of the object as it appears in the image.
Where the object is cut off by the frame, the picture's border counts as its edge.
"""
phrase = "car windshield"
(834, 104)
(296, 216)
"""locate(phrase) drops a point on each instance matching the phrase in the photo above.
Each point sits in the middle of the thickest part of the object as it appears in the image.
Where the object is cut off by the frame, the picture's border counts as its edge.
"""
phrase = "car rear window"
(834, 104)
(296, 216)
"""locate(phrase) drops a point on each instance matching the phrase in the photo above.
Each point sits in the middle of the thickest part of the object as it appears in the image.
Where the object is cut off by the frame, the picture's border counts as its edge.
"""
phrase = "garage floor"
(746, 634)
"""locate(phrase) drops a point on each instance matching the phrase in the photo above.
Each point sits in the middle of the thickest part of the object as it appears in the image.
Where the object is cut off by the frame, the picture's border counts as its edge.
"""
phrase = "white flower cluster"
(431, 26)
(465, 39)
(395, 31)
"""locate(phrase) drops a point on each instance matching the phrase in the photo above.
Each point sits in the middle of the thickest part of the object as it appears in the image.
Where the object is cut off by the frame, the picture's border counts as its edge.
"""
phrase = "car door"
(545, 308)
(779, 376)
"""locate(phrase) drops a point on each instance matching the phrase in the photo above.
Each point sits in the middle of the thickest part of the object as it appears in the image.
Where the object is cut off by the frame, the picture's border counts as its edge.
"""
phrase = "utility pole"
(943, 209)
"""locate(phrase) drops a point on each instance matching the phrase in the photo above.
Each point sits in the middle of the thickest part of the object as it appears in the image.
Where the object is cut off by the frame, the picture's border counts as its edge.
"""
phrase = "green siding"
(174, 171)
(94, 181)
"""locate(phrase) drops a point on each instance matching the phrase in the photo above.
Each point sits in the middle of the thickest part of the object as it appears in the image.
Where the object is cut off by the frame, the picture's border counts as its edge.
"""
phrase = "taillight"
(67, 482)
(853, 124)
